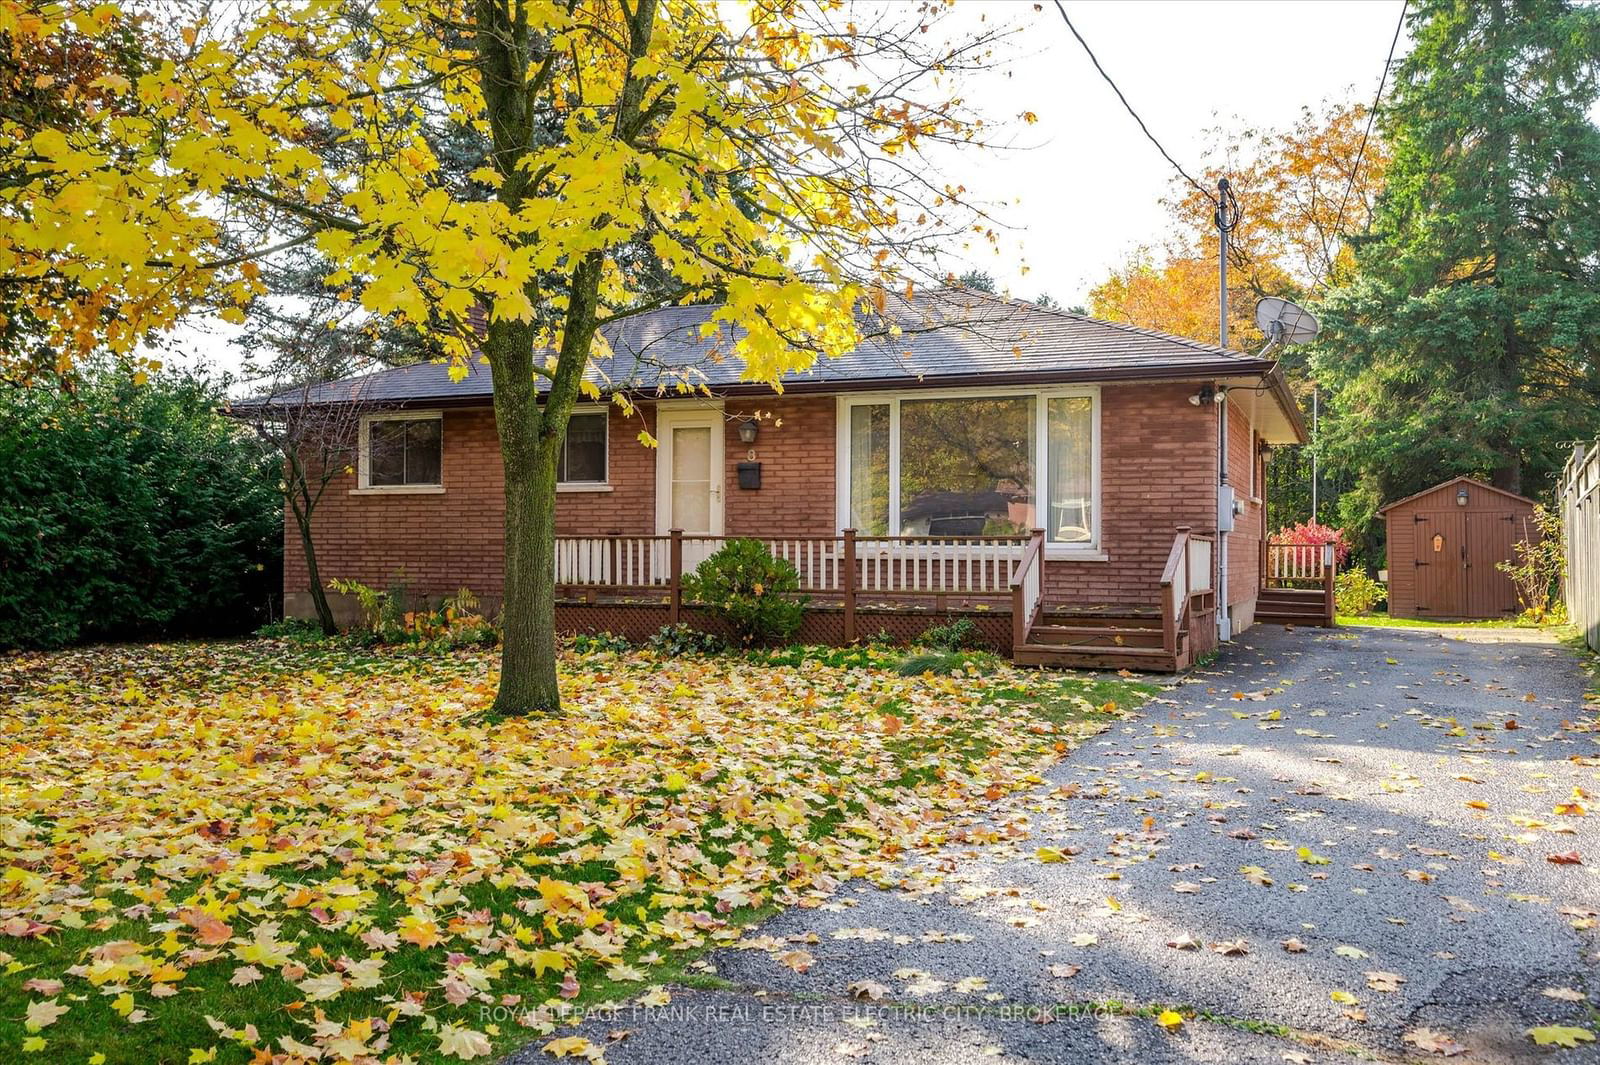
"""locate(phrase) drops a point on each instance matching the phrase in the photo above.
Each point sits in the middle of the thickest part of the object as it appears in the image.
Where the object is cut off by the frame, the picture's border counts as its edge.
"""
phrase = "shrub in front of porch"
(753, 593)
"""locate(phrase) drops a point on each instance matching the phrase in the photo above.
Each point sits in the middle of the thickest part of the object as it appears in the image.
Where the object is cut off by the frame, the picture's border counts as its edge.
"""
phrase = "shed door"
(1490, 592)
(1441, 563)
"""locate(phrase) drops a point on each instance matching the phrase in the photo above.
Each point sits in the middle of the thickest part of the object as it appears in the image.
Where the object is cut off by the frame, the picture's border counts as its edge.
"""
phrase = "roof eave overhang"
(1207, 369)
(1279, 386)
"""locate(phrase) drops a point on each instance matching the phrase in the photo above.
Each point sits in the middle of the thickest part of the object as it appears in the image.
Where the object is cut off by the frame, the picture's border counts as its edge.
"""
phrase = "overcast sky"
(1088, 189)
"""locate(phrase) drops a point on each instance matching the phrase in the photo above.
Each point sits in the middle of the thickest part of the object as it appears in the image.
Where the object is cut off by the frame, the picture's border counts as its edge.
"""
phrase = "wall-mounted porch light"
(747, 431)
(1461, 496)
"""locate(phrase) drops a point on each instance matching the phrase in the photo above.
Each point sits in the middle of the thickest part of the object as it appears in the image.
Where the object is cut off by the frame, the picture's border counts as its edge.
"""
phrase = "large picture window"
(583, 452)
(966, 466)
(402, 450)
(973, 465)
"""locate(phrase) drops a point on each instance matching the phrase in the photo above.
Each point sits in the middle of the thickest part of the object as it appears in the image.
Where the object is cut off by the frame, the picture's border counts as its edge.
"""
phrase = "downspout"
(1224, 621)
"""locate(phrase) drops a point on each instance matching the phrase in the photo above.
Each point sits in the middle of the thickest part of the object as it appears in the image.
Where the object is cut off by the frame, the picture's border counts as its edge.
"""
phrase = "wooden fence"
(1580, 523)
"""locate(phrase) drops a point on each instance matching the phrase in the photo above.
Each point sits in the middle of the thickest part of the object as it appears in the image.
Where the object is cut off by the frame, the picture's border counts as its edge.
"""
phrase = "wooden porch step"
(1143, 659)
(1122, 616)
(1290, 595)
(1122, 624)
(1111, 636)
(1290, 615)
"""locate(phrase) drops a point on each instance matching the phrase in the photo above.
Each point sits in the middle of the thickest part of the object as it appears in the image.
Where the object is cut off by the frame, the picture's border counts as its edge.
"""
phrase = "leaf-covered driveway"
(1367, 840)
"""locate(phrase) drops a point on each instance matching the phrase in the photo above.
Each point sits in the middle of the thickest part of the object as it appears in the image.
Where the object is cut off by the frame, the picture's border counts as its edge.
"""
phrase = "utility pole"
(1225, 222)
(1316, 403)
(1226, 218)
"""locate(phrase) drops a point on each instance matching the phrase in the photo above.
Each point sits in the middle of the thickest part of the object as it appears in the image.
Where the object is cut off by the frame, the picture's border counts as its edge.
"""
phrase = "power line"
(1151, 136)
(1371, 115)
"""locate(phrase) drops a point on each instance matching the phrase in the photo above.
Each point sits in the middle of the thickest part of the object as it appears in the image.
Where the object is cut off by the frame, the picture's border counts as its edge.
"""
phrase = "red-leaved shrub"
(1315, 534)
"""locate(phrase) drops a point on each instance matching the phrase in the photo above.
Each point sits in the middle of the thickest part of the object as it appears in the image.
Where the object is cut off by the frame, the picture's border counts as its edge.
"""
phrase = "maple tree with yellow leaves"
(769, 156)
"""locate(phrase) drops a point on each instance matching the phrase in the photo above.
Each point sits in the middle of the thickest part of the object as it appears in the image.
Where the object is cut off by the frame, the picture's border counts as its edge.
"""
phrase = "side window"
(402, 452)
(583, 453)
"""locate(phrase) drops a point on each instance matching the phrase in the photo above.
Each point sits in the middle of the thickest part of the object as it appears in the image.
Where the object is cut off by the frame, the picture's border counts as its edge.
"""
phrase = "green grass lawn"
(1385, 621)
(224, 852)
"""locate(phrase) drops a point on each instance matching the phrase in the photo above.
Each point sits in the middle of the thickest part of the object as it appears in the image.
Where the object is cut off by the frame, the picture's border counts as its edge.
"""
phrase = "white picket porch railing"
(883, 565)
(1298, 562)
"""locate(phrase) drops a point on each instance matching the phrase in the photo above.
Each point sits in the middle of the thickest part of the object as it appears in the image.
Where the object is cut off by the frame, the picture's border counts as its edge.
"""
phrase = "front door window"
(691, 479)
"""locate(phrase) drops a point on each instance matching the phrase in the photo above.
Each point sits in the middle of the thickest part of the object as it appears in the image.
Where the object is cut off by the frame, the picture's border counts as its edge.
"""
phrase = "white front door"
(689, 478)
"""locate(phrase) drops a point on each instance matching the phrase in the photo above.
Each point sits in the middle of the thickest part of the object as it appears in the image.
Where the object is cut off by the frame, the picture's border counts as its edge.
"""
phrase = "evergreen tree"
(1466, 340)
(981, 280)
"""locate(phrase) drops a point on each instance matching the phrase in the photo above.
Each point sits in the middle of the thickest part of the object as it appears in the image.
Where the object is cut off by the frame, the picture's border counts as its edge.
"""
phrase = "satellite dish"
(1284, 322)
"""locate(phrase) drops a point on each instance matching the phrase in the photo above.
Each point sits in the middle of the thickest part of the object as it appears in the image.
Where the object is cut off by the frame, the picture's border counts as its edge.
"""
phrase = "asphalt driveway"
(1386, 802)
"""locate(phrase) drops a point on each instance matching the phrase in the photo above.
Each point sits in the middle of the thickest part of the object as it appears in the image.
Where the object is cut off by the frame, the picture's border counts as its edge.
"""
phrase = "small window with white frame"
(583, 452)
(402, 450)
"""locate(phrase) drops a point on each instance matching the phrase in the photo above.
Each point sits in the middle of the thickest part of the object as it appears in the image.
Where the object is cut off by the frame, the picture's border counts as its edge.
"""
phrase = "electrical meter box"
(1225, 508)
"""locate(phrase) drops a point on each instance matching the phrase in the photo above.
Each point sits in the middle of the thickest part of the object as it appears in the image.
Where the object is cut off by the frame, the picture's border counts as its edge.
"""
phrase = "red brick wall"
(1244, 543)
(1157, 471)
(630, 507)
(1158, 455)
(795, 445)
(440, 542)
(437, 542)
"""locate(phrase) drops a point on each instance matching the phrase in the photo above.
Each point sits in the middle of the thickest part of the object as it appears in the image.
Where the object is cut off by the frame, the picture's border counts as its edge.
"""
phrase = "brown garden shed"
(1444, 544)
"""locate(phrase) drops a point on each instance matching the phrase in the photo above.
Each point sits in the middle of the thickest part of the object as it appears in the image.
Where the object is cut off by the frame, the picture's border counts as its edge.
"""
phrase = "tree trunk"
(528, 681)
(531, 437)
(319, 594)
(301, 502)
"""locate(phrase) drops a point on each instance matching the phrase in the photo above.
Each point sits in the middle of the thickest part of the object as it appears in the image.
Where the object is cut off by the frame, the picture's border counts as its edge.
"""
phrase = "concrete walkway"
(1384, 799)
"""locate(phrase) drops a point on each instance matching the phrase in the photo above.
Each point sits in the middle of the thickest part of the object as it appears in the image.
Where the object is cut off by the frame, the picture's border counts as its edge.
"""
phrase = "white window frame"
(364, 456)
(604, 483)
(1042, 394)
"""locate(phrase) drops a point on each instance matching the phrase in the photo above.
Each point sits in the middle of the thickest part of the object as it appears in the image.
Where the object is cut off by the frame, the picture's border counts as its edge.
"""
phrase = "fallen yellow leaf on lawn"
(463, 1043)
(43, 1014)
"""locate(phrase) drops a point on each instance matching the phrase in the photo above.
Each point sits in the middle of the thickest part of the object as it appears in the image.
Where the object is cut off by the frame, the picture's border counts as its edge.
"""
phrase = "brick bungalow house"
(1087, 492)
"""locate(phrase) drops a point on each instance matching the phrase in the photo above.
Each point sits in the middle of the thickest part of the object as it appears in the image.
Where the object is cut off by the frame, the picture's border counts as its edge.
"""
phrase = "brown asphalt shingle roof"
(947, 337)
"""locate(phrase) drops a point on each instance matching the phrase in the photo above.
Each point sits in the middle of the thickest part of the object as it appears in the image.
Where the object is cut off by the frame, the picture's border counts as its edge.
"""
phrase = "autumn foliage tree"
(770, 157)
(1467, 340)
(1292, 238)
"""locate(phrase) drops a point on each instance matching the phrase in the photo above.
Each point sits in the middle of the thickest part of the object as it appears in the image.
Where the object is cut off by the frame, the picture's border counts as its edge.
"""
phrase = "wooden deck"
(1296, 584)
(858, 586)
